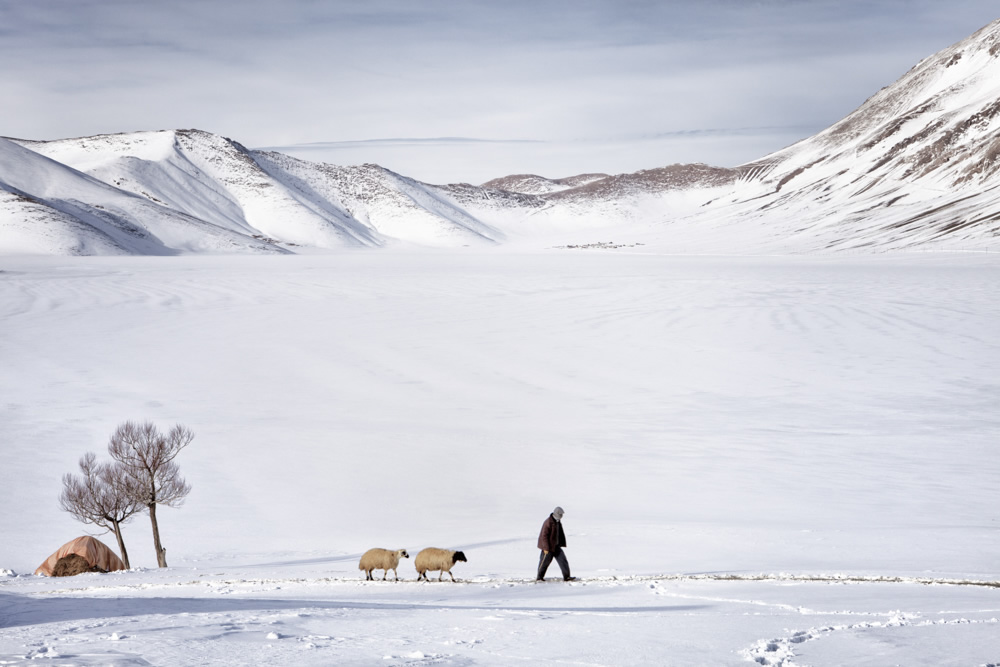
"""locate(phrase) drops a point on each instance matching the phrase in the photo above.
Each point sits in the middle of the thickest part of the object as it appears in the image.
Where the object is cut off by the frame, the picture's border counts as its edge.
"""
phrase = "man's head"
(558, 513)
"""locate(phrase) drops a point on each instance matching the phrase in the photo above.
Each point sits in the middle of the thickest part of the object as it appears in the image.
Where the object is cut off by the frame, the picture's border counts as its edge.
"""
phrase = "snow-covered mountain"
(47, 207)
(265, 201)
(531, 184)
(917, 165)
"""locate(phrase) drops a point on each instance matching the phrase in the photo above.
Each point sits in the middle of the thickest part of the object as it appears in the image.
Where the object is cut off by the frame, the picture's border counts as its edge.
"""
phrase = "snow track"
(780, 652)
(181, 615)
(266, 584)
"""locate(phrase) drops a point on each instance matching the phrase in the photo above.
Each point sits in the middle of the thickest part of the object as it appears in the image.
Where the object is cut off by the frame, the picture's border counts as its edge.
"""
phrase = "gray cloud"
(564, 73)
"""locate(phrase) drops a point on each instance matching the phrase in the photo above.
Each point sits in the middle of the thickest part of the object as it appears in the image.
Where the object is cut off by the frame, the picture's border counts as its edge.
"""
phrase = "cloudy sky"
(458, 90)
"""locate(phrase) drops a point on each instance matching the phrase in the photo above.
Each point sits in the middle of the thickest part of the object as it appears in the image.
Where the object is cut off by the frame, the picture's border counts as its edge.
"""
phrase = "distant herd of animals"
(430, 559)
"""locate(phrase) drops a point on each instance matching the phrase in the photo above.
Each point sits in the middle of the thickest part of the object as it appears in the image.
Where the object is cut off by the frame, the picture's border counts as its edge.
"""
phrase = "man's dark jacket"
(552, 536)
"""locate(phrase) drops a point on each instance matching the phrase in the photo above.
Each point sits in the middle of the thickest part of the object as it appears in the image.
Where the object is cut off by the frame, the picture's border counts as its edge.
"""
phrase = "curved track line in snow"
(500, 581)
(226, 606)
(779, 652)
(834, 578)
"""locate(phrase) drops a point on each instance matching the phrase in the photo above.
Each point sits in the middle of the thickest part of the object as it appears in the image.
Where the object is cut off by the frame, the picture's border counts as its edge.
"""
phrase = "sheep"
(381, 559)
(437, 559)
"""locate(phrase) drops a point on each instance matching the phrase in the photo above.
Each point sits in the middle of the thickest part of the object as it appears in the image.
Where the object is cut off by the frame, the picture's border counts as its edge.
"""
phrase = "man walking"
(551, 541)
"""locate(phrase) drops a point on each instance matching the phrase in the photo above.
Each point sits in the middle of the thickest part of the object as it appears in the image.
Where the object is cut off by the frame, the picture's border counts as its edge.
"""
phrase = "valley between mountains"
(916, 167)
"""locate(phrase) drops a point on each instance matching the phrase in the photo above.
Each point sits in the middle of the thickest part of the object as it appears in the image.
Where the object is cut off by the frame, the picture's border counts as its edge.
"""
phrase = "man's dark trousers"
(545, 559)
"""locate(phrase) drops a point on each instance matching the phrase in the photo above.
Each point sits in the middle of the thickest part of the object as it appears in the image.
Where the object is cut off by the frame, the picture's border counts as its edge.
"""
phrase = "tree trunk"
(161, 553)
(121, 545)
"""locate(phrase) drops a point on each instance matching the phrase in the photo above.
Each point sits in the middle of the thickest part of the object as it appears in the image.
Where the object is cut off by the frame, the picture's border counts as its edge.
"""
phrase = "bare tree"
(103, 494)
(148, 459)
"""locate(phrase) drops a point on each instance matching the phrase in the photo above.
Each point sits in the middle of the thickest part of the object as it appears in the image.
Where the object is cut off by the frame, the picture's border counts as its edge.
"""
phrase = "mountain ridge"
(917, 165)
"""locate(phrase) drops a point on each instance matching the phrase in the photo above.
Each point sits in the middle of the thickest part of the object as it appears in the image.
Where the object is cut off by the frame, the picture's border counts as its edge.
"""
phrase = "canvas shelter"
(92, 550)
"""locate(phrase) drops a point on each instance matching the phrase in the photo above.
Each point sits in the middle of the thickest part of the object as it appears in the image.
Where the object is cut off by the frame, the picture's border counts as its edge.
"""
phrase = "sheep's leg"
(451, 575)
(395, 574)
(385, 573)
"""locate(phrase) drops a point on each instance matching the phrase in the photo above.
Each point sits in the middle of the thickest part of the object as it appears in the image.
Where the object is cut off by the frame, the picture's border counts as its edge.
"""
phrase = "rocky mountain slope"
(531, 184)
(916, 166)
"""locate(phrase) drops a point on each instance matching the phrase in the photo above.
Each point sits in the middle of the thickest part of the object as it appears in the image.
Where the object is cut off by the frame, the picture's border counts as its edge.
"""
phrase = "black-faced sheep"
(431, 559)
(381, 559)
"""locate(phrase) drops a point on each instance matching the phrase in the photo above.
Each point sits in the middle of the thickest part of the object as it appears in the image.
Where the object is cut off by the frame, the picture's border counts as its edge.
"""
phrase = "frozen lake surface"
(700, 418)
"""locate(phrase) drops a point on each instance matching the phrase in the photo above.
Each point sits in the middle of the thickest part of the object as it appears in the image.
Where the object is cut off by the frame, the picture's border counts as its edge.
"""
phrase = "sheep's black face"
(459, 556)
(404, 554)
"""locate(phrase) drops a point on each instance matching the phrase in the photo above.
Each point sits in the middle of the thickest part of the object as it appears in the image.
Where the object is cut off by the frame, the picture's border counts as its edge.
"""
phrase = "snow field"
(198, 615)
(694, 415)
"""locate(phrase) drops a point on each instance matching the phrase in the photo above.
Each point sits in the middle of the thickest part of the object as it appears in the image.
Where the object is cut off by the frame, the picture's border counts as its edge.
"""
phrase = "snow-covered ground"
(286, 613)
(787, 460)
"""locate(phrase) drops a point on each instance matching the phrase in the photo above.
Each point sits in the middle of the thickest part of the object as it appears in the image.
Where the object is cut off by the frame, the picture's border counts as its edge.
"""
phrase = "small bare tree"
(103, 494)
(147, 457)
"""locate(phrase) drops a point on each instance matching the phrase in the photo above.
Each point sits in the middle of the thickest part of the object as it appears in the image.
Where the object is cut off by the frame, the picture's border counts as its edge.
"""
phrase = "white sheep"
(431, 559)
(381, 559)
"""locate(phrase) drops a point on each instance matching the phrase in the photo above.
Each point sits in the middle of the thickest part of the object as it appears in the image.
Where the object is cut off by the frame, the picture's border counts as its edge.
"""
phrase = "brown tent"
(95, 552)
